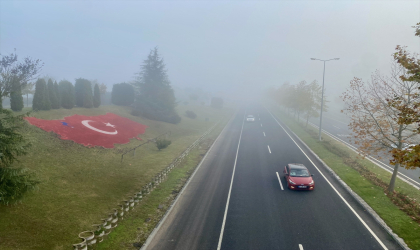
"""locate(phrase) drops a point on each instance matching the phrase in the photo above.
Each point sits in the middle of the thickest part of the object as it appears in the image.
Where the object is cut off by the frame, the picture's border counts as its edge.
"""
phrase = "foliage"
(155, 97)
(83, 93)
(102, 88)
(408, 114)
(374, 121)
(303, 99)
(29, 89)
(66, 89)
(190, 114)
(57, 93)
(41, 99)
(14, 182)
(216, 102)
(96, 96)
(52, 95)
(16, 99)
(122, 94)
(162, 143)
(15, 74)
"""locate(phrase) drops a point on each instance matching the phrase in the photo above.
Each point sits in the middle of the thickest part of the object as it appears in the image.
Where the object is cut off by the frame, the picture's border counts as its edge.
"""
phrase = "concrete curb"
(359, 199)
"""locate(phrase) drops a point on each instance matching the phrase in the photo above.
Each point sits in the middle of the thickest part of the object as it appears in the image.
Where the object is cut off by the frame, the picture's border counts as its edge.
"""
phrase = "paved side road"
(238, 199)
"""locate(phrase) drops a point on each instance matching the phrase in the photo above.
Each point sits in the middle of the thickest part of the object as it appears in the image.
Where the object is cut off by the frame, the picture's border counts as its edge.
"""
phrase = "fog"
(222, 47)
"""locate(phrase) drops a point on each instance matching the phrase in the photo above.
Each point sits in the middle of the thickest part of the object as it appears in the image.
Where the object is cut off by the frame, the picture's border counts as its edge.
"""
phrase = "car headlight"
(291, 182)
(312, 182)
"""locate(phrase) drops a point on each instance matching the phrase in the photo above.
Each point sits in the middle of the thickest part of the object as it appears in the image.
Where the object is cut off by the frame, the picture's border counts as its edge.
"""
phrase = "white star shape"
(109, 125)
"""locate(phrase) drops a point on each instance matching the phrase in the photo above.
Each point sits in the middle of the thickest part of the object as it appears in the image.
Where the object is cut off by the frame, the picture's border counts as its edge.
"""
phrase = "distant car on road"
(298, 177)
(250, 118)
(404, 146)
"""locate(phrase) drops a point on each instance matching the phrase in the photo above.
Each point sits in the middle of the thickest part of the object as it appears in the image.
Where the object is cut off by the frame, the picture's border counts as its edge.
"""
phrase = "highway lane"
(340, 129)
(260, 214)
(196, 218)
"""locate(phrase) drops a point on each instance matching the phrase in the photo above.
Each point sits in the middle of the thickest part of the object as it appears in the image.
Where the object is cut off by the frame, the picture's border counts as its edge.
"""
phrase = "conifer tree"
(66, 94)
(41, 100)
(52, 96)
(16, 99)
(96, 96)
(155, 98)
(57, 93)
(83, 93)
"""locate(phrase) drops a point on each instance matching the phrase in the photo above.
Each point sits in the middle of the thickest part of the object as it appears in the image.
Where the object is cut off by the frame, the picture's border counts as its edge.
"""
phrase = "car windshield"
(299, 172)
(250, 116)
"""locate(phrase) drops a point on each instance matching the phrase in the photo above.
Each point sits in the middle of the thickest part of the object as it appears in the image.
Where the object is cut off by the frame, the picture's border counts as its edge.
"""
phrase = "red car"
(298, 177)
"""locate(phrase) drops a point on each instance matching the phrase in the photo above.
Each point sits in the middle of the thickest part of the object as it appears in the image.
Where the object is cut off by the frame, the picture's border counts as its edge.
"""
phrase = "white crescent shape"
(86, 124)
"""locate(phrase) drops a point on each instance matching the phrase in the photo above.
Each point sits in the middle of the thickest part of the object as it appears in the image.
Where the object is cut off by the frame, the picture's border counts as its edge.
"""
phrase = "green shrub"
(122, 94)
(190, 114)
(162, 143)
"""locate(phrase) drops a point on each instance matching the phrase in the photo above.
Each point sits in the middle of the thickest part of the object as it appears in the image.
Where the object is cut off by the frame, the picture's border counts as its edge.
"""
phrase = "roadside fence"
(100, 231)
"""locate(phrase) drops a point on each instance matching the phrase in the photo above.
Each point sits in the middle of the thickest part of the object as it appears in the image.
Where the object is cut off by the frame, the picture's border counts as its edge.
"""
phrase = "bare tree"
(374, 121)
(15, 74)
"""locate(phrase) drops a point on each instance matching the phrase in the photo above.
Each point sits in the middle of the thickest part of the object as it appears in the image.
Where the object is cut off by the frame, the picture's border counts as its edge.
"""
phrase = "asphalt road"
(250, 210)
(338, 127)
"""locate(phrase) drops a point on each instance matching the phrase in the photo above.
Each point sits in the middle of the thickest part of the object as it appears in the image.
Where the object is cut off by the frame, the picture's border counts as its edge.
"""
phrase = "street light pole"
(322, 105)
(322, 96)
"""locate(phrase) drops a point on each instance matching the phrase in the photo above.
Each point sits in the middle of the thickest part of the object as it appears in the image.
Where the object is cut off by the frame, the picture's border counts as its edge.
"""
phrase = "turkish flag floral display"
(102, 130)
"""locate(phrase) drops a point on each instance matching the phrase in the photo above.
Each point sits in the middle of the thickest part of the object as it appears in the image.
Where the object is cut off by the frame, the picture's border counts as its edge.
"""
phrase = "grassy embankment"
(81, 185)
(135, 228)
(332, 152)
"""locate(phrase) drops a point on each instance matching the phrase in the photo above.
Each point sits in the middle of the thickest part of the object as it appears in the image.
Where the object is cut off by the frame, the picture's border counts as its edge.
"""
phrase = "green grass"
(136, 227)
(397, 220)
(81, 185)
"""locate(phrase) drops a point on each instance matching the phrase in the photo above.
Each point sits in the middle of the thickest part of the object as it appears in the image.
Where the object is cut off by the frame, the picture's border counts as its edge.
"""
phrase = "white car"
(250, 118)
(404, 146)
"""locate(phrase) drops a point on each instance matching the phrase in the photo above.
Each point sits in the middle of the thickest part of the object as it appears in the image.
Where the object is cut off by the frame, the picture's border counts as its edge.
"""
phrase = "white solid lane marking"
(278, 177)
(259, 119)
(264, 133)
(375, 161)
(338, 193)
(300, 247)
(269, 149)
(261, 124)
(154, 232)
(219, 245)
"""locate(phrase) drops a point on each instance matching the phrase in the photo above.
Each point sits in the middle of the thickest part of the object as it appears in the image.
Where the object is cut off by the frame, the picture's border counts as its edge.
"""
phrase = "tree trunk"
(27, 100)
(393, 178)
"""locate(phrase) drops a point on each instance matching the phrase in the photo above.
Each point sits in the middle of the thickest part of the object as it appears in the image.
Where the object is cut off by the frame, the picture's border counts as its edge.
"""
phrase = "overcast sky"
(222, 45)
